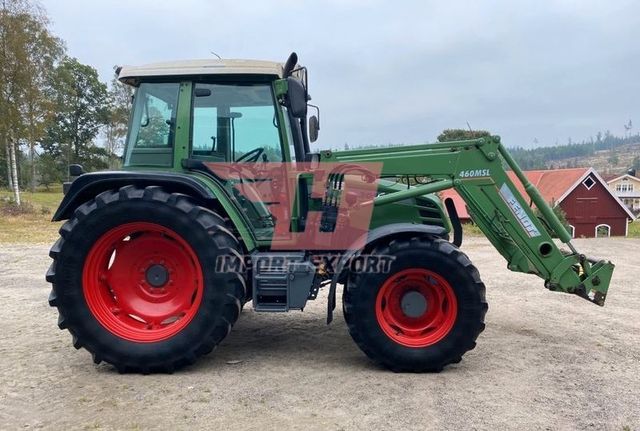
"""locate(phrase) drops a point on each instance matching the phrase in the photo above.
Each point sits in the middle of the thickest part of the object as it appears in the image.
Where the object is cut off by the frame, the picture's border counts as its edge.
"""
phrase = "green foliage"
(28, 52)
(461, 135)
(50, 170)
(156, 131)
(81, 110)
(115, 131)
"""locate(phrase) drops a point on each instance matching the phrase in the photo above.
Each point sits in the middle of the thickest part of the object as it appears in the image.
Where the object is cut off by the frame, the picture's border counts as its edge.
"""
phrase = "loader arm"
(476, 169)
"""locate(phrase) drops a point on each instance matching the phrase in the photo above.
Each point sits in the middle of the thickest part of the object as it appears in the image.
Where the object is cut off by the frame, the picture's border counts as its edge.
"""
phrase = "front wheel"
(134, 279)
(422, 314)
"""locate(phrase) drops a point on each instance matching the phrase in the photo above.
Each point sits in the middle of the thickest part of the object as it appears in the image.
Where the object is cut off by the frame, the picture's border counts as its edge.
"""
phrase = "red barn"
(590, 206)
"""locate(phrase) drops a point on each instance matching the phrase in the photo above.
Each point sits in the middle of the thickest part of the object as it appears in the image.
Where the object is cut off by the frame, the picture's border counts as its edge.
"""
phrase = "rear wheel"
(421, 315)
(134, 279)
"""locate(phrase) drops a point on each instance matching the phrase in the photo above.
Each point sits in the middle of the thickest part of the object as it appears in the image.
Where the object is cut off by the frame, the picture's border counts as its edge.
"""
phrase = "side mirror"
(76, 170)
(296, 98)
(314, 127)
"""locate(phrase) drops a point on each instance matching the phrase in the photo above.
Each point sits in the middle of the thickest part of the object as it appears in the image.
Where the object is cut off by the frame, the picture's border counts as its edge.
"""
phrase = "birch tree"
(27, 56)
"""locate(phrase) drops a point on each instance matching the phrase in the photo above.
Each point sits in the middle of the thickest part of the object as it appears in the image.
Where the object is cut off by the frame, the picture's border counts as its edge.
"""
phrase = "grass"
(32, 223)
(470, 229)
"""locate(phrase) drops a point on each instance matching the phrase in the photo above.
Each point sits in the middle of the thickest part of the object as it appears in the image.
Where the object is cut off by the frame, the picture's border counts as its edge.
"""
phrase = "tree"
(12, 82)
(27, 54)
(461, 135)
(49, 170)
(81, 110)
(117, 119)
(44, 50)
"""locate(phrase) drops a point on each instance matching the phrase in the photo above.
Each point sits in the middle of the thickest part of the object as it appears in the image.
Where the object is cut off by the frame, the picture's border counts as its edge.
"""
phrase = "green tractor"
(221, 201)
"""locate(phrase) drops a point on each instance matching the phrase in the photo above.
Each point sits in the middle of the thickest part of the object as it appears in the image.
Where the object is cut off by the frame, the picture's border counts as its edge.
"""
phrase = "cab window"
(152, 126)
(234, 123)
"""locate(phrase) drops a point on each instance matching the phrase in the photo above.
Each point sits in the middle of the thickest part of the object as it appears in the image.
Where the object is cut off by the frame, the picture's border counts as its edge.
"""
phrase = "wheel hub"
(413, 304)
(157, 275)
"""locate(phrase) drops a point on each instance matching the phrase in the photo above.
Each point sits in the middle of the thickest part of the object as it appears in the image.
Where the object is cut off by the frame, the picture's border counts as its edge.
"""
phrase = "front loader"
(221, 202)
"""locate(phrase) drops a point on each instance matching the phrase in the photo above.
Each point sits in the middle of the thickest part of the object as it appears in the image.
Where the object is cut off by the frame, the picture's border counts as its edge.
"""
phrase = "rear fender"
(208, 194)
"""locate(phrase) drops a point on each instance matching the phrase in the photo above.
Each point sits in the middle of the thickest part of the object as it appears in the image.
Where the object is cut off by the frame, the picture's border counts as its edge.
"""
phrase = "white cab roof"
(128, 74)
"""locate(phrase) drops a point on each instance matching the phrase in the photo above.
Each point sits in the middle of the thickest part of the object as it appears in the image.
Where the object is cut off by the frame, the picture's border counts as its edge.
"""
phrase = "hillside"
(604, 161)
(608, 153)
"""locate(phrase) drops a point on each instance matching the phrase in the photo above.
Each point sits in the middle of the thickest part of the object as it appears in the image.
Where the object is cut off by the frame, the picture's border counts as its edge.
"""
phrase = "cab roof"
(131, 74)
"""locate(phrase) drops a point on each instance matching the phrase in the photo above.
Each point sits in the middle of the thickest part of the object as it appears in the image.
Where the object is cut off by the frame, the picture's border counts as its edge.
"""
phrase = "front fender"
(374, 236)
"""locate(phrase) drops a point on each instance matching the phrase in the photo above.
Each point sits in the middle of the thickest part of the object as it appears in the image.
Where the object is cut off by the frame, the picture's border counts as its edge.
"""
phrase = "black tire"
(203, 230)
(440, 257)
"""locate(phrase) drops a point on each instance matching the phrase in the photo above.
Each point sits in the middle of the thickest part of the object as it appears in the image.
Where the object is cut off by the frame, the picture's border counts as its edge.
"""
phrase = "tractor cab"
(190, 115)
(217, 111)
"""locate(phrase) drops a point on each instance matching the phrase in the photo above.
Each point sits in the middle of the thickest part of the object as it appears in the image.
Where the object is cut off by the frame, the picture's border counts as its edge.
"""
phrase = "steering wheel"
(251, 156)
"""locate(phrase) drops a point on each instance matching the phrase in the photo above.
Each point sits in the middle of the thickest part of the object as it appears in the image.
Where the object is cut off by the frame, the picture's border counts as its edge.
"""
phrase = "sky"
(385, 72)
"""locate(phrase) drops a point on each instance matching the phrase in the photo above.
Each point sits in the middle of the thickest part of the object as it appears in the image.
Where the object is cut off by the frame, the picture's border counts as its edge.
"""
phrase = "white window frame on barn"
(593, 182)
(572, 230)
(603, 225)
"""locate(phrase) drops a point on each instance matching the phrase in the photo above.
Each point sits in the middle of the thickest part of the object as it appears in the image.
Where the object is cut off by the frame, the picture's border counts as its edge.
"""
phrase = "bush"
(8, 207)
(461, 135)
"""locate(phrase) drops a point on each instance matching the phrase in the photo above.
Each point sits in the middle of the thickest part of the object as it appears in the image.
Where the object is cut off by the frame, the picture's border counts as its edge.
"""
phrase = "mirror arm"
(305, 135)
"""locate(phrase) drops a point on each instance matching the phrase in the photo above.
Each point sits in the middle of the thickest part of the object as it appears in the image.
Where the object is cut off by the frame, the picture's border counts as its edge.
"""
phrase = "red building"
(591, 208)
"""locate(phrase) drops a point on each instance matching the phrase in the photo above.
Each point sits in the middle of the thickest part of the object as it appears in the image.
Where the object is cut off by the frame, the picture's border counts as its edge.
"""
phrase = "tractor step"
(281, 281)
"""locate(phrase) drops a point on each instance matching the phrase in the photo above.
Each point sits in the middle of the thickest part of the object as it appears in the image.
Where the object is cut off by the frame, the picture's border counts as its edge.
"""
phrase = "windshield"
(152, 128)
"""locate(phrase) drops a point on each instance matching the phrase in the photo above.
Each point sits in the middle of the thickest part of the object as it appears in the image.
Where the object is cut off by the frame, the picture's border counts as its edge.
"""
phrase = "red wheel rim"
(142, 282)
(427, 322)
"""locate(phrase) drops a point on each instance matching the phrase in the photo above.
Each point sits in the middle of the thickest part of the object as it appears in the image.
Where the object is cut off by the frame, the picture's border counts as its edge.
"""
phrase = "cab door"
(239, 123)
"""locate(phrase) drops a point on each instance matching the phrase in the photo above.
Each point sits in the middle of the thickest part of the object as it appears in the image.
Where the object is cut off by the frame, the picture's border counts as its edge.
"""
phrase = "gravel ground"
(545, 361)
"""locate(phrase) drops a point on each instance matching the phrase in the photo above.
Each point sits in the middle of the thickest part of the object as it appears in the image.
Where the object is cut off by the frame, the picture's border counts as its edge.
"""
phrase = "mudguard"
(374, 236)
(87, 186)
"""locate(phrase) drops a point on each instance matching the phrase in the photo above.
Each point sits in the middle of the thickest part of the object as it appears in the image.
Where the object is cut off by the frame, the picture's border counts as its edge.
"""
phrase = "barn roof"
(554, 186)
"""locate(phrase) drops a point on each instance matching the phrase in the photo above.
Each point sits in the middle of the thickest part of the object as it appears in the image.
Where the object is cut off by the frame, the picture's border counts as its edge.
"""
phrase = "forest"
(54, 110)
(539, 158)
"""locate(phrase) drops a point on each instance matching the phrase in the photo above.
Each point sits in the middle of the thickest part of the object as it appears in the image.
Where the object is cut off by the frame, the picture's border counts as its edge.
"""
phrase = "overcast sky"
(394, 71)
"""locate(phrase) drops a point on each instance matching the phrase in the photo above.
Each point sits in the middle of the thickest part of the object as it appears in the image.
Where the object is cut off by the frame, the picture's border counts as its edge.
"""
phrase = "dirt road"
(545, 361)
